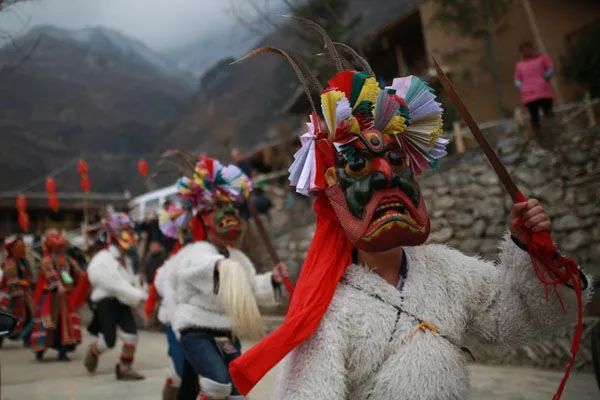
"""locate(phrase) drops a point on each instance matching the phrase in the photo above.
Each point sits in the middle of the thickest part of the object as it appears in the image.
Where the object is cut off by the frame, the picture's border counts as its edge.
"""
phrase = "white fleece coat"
(110, 279)
(197, 306)
(366, 348)
(166, 291)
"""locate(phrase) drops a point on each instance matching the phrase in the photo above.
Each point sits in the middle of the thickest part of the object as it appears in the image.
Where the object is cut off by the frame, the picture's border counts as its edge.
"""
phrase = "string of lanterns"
(53, 201)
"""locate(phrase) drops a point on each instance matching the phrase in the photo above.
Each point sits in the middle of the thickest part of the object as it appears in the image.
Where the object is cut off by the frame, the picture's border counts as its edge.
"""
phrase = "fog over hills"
(82, 92)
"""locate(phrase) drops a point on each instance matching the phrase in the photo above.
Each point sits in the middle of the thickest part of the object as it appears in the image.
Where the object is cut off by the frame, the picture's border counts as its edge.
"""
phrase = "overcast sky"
(161, 24)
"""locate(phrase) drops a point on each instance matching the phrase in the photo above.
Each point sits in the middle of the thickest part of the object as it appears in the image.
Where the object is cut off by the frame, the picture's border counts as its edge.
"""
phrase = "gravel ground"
(25, 379)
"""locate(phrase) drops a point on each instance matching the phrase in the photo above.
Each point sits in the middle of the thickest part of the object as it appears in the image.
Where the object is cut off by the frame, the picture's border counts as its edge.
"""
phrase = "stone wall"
(469, 208)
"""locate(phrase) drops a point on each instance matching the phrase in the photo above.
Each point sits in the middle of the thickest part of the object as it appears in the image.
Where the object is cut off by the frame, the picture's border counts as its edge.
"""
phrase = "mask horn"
(293, 61)
(358, 59)
(187, 162)
(329, 45)
(167, 165)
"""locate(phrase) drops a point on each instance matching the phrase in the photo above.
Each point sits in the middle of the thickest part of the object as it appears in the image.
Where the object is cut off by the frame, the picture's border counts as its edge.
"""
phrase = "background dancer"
(61, 288)
(115, 291)
(16, 283)
(177, 223)
(216, 284)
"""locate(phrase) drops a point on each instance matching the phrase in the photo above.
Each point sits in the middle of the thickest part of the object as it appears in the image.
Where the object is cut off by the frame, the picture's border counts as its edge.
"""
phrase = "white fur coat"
(197, 306)
(366, 346)
(110, 279)
(166, 291)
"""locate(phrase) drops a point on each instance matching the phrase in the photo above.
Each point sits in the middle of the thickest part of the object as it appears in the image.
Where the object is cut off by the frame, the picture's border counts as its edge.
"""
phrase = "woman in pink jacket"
(532, 76)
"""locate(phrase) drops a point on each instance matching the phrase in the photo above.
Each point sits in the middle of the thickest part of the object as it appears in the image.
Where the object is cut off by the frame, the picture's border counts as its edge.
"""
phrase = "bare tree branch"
(254, 15)
(8, 37)
(24, 56)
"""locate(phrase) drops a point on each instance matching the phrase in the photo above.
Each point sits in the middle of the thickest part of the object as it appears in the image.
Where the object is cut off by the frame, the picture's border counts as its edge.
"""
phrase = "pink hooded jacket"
(534, 74)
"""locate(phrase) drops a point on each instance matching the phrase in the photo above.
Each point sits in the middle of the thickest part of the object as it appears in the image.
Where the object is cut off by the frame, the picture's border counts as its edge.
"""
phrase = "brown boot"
(127, 373)
(91, 359)
(169, 392)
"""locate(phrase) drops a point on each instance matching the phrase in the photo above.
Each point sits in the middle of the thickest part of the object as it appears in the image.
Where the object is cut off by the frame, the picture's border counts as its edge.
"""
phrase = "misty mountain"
(64, 94)
(242, 105)
(199, 56)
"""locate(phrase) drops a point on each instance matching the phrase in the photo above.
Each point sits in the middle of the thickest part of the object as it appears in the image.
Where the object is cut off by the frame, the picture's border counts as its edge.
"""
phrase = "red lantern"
(82, 167)
(85, 183)
(23, 221)
(53, 202)
(142, 167)
(50, 185)
(21, 203)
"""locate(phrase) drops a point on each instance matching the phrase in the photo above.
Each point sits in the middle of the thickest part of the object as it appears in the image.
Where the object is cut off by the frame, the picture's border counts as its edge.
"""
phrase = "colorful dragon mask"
(121, 230)
(365, 149)
(212, 190)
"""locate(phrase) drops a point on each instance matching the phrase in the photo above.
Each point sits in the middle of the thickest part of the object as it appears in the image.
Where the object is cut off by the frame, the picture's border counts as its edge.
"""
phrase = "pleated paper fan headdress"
(212, 182)
(353, 107)
(203, 184)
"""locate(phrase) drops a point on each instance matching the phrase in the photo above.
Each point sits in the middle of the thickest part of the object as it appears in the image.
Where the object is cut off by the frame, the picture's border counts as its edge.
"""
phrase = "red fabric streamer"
(151, 301)
(197, 228)
(80, 293)
(142, 167)
(328, 256)
(289, 286)
(552, 269)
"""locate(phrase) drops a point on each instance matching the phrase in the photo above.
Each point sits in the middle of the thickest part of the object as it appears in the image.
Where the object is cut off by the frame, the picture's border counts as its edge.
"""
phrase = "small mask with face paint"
(224, 221)
(213, 189)
(121, 229)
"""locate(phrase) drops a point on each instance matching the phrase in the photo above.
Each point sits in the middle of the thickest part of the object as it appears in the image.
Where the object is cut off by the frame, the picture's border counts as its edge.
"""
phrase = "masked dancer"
(377, 313)
(115, 292)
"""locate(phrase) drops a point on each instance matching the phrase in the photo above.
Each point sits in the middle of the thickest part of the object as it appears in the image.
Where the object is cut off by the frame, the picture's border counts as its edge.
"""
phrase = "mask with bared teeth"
(213, 190)
(369, 145)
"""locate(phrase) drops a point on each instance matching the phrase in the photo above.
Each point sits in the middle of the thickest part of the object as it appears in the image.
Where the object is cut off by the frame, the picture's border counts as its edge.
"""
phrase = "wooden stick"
(458, 137)
(262, 232)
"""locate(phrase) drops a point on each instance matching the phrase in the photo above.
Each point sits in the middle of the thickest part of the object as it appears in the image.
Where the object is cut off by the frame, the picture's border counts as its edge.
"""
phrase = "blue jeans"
(203, 356)
(175, 350)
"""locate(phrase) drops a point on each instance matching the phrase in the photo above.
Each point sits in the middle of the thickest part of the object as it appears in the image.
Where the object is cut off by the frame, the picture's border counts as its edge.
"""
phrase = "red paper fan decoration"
(85, 183)
(50, 185)
(21, 203)
(53, 202)
(142, 167)
(82, 167)
(23, 221)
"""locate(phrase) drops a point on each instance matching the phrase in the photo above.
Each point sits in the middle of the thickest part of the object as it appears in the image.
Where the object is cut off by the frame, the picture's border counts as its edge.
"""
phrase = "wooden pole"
(86, 220)
(520, 121)
(458, 137)
(399, 59)
(589, 110)
(262, 232)
(540, 44)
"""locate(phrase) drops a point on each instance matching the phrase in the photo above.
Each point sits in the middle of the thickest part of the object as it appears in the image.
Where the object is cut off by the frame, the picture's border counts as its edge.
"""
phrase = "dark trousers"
(175, 350)
(203, 357)
(534, 111)
(109, 314)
